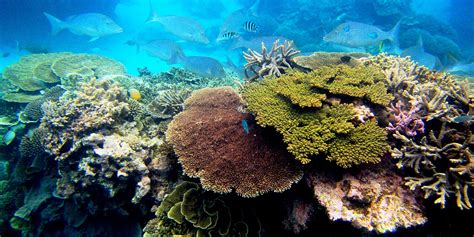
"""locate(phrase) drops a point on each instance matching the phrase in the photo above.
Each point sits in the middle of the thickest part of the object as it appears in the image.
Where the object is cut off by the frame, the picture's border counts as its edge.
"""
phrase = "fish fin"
(94, 39)
(56, 24)
(153, 16)
(253, 9)
(393, 34)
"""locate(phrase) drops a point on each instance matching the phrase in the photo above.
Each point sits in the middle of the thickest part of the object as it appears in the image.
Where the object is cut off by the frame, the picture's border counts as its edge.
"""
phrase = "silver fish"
(256, 43)
(95, 25)
(355, 34)
(204, 66)
(236, 21)
(463, 69)
(417, 53)
(183, 27)
(166, 50)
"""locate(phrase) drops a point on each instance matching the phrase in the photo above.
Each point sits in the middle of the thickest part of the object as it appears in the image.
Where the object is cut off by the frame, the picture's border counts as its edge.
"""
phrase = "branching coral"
(270, 63)
(443, 164)
(406, 122)
(293, 105)
(213, 145)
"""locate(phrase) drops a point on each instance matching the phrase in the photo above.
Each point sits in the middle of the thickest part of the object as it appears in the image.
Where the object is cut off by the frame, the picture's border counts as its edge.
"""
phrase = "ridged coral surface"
(212, 144)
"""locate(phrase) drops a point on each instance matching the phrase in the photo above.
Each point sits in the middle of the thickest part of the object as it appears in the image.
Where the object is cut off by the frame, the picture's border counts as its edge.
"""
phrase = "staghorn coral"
(371, 199)
(442, 162)
(270, 63)
(406, 122)
(293, 105)
(212, 144)
(190, 211)
(168, 103)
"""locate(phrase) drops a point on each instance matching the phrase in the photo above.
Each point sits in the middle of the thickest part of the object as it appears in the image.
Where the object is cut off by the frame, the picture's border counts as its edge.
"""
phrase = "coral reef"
(190, 211)
(372, 199)
(293, 105)
(168, 103)
(443, 163)
(438, 158)
(33, 111)
(270, 63)
(213, 144)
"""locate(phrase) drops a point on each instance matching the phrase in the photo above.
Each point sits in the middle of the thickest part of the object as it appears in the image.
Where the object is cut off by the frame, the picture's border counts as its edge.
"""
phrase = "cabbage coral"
(296, 105)
(213, 144)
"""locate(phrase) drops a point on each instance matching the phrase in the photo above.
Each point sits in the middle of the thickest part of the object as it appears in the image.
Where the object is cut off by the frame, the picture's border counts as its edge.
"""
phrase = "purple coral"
(406, 122)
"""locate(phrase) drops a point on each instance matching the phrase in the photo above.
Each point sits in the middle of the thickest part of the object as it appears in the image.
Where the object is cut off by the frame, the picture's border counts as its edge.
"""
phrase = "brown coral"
(212, 142)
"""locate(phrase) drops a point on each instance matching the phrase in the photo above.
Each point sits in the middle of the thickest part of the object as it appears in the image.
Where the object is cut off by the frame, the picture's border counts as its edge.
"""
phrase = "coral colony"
(364, 136)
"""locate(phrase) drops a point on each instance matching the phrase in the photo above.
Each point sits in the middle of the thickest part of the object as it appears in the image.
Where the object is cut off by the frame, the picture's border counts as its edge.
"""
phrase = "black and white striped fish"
(228, 36)
(250, 26)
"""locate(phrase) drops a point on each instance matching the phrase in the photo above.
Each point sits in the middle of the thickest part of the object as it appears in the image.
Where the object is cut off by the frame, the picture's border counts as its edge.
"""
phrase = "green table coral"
(295, 105)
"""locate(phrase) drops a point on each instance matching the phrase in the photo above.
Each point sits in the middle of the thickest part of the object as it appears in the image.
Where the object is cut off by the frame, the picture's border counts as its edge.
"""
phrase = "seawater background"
(23, 21)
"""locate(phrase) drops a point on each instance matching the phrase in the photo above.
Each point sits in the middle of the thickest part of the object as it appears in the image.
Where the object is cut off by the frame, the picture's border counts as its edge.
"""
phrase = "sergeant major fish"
(239, 21)
(183, 27)
(354, 34)
(95, 25)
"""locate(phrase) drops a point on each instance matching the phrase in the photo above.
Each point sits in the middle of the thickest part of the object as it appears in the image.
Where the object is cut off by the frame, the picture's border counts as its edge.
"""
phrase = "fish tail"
(393, 34)
(153, 16)
(56, 24)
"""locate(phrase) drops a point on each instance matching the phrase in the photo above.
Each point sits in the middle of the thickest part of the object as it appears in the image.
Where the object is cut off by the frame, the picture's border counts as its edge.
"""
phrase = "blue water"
(305, 22)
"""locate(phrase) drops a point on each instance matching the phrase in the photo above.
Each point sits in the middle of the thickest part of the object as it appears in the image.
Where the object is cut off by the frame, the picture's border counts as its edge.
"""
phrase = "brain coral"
(212, 142)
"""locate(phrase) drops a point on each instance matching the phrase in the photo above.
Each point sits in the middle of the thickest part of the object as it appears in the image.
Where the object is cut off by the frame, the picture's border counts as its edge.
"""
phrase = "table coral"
(372, 199)
(212, 145)
(293, 105)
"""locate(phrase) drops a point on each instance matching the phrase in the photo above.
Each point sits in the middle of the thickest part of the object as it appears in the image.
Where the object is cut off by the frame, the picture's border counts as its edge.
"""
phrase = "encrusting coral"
(220, 145)
(270, 63)
(303, 108)
(371, 199)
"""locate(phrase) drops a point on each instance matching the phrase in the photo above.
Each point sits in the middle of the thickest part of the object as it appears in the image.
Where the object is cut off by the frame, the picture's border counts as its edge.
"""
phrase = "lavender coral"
(212, 145)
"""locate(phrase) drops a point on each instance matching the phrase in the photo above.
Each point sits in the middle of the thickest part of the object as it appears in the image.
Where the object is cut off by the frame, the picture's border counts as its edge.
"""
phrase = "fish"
(165, 50)
(463, 69)
(236, 69)
(9, 137)
(183, 27)
(245, 126)
(5, 54)
(242, 20)
(228, 36)
(417, 53)
(203, 66)
(256, 43)
(463, 118)
(95, 25)
(355, 34)
(250, 26)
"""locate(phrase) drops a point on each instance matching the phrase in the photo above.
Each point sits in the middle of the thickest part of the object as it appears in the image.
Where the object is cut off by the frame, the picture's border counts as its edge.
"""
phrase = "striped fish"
(250, 26)
(228, 36)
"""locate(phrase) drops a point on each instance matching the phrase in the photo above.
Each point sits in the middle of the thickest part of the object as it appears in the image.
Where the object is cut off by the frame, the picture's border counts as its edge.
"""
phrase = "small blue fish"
(9, 137)
(245, 125)
(463, 118)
